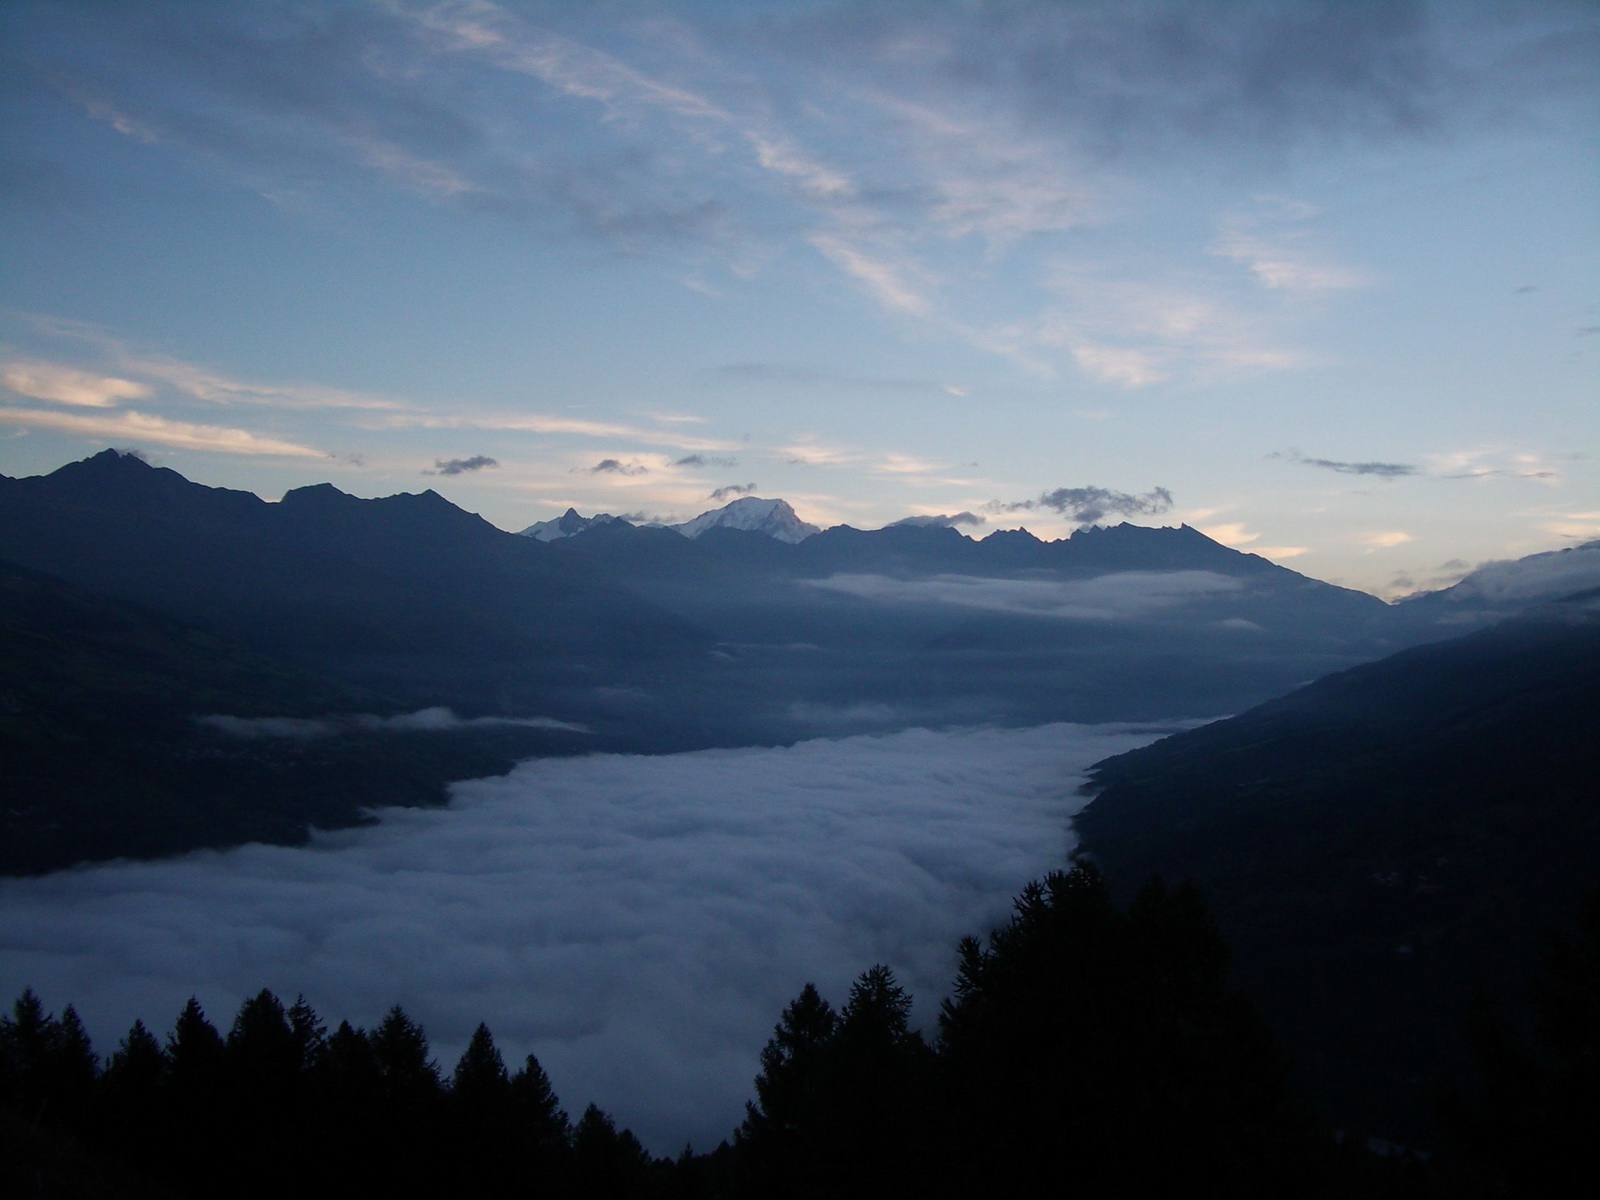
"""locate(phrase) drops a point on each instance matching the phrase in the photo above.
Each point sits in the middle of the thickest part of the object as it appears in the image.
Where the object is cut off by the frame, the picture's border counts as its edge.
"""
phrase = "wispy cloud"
(821, 377)
(153, 370)
(570, 67)
(1493, 462)
(552, 425)
(893, 285)
(1123, 596)
(1135, 333)
(1386, 539)
(139, 427)
(427, 720)
(69, 385)
(1272, 244)
(815, 454)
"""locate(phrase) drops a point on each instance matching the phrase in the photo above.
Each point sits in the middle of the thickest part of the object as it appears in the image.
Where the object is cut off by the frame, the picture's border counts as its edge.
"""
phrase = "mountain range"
(772, 517)
(613, 637)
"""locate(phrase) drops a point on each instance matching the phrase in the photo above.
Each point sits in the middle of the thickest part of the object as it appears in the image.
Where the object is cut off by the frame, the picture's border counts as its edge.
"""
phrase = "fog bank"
(637, 922)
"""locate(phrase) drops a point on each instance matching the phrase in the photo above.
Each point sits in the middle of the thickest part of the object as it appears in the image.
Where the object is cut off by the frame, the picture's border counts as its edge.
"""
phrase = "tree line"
(1082, 1043)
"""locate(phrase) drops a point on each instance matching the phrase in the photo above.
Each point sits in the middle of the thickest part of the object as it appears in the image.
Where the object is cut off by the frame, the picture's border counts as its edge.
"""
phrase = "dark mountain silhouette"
(408, 594)
(645, 639)
(1125, 623)
(1381, 843)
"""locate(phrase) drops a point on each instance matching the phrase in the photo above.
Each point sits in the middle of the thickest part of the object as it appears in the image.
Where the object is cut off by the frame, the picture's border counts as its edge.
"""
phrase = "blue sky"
(1318, 278)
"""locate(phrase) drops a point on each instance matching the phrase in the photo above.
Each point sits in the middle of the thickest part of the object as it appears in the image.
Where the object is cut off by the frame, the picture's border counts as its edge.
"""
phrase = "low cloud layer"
(1088, 505)
(1533, 579)
(638, 922)
(426, 720)
(942, 520)
(1124, 595)
(731, 491)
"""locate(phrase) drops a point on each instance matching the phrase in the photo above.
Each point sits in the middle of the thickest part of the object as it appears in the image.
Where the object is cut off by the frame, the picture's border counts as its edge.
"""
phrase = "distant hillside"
(104, 756)
(1381, 843)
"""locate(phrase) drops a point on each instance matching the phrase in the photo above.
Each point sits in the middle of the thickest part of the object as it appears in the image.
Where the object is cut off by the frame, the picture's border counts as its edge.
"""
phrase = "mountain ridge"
(1409, 829)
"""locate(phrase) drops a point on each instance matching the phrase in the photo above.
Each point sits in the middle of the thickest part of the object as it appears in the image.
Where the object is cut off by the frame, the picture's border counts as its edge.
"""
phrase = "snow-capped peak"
(567, 524)
(772, 517)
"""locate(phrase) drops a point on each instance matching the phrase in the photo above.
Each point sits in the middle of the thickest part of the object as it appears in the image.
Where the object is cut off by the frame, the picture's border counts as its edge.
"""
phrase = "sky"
(1317, 278)
(637, 922)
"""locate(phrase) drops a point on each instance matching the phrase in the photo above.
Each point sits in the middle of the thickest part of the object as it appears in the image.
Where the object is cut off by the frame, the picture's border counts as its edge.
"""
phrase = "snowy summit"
(772, 517)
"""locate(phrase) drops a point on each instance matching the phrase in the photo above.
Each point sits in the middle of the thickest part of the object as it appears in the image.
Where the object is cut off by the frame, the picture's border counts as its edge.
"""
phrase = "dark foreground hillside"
(1381, 845)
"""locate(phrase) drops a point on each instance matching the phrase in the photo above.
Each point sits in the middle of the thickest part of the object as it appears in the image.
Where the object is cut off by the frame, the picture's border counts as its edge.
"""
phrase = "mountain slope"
(1382, 842)
(103, 757)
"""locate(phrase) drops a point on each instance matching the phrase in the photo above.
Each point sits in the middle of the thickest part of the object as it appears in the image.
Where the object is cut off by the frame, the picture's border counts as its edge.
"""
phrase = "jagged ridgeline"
(137, 602)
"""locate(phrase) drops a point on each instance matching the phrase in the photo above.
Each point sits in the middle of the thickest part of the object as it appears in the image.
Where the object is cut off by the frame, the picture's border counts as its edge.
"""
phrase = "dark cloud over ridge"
(615, 466)
(457, 466)
(1087, 505)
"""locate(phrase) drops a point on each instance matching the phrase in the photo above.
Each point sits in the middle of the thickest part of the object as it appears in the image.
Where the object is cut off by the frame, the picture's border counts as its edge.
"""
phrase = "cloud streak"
(69, 385)
(1383, 470)
(1121, 596)
(426, 720)
(143, 427)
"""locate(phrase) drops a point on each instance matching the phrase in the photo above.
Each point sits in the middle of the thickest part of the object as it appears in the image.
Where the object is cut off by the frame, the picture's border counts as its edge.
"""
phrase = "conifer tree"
(483, 1120)
(310, 1035)
(543, 1134)
(779, 1137)
(47, 1066)
(410, 1104)
(137, 1068)
(196, 1060)
(1113, 1041)
(134, 1100)
(543, 1121)
(608, 1163)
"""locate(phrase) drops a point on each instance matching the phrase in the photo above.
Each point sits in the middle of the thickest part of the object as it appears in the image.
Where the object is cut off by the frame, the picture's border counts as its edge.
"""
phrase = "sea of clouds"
(637, 922)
